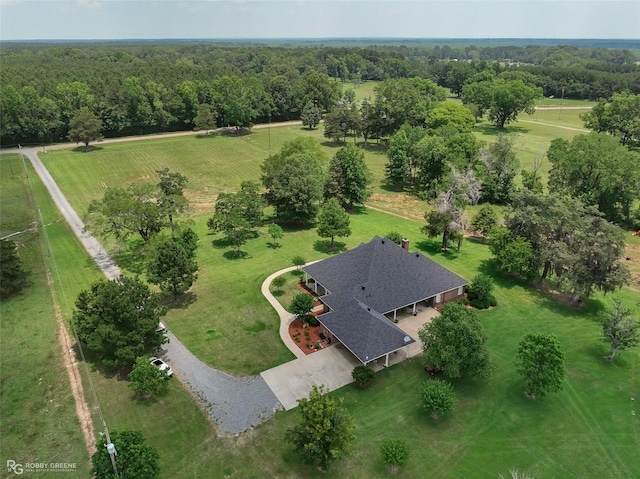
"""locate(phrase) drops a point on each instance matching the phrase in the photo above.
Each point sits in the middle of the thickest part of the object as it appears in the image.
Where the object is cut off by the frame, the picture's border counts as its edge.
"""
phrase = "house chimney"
(405, 243)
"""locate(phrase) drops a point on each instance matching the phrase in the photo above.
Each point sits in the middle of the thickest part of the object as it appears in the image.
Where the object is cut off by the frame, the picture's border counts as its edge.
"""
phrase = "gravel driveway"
(236, 404)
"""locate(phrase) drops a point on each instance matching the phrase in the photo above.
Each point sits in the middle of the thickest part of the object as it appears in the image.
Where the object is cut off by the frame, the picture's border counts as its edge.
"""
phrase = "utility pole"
(561, 100)
(111, 448)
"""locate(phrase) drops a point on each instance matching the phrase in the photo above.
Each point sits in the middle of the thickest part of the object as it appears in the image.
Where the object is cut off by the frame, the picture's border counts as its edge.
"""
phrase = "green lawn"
(37, 410)
(586, 431)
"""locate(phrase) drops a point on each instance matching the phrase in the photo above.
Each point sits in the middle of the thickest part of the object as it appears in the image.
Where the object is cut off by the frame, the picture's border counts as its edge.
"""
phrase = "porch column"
(315, 287)
(386, 361)
(414, 309)
(306, 278)
(394, 314)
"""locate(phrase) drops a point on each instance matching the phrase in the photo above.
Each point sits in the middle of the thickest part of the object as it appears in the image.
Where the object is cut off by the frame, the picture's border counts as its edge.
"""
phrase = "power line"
(47, 251)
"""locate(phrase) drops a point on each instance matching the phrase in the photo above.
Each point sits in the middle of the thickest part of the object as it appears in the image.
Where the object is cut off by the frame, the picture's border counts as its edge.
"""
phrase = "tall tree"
(619, 117)
(348, 177)
(122, 212)
(342, 121)
(451, 114)
(504, 99)
(325, 431)
(333, 220)
(310, 115)
(234, 217)
(432, 163)
(593, 261)
(540, 359)
(297, 188)
(274, 164)
(498, 169)
(406, 100)
(172, 265)
(463, 189)
(620, 329)
(316, 88)
(235, 102)
(171, 199)
(599, 171)
(135, 459)
(118, 320)
(13, 275)
(513, 254)
(456, 342)
(205, 119)
(545, 222)
(485, 221)
(402, 156)
(84, 127)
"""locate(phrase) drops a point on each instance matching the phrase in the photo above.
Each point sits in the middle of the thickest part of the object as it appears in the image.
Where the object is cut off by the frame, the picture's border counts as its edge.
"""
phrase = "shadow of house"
(363, 290)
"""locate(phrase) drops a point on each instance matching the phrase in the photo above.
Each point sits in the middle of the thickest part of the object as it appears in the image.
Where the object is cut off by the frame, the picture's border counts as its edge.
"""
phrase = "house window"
(438, 298)
(460, 290)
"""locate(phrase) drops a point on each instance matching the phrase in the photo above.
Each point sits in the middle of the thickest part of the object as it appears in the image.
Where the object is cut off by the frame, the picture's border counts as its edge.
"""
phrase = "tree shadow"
(357, 210)
(489, 129)
(221, 243)
(500, 278)
(235, 255)
(333, 144)
(182, 301)
(87, 149)
(325, 246)
(277, 293)
(432, 248)
(212, 134)
(386, 186)
(296, 227)
(273, 244)
(235, 132)
(131, 256)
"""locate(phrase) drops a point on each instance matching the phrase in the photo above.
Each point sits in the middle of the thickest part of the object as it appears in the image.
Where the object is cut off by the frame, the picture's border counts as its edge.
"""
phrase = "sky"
(232, 19)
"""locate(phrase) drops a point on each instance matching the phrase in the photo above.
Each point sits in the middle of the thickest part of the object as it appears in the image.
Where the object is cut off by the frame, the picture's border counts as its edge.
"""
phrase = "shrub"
(437, 397)
(395, 237)
(492, 300)
(313, 321)
(301, 305)
(481, 286)
(279, 282)
(363, 375)
(479, 304)
(298, 261)
(395, 453)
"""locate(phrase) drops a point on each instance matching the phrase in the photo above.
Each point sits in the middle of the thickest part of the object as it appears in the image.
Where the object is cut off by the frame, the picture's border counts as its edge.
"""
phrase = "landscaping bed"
(314, 338)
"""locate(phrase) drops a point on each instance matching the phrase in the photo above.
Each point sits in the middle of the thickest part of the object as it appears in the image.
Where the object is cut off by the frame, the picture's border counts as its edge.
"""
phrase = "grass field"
(586, 431)
(37, 410)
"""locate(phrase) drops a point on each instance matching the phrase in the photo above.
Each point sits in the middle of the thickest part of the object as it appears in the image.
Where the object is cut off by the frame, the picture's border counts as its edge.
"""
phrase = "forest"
(145, 87)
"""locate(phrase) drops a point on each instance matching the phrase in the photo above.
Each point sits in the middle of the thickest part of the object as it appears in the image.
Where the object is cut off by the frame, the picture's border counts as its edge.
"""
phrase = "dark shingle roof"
(373, 279)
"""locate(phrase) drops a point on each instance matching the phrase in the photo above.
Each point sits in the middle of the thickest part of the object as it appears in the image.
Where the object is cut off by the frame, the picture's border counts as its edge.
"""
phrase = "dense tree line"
(146, 87)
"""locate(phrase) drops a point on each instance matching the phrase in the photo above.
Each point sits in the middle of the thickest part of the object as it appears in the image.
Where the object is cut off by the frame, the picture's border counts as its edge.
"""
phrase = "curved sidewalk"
(285, 316)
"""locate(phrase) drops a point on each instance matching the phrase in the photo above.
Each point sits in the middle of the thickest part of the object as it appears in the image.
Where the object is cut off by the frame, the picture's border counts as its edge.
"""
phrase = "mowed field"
(588, 430)
(38, 421)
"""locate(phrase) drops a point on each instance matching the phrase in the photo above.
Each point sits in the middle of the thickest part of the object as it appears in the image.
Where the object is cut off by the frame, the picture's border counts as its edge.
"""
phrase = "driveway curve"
(235, 403)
